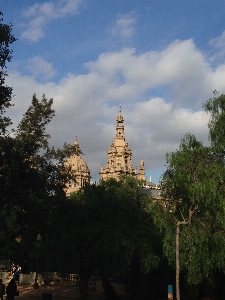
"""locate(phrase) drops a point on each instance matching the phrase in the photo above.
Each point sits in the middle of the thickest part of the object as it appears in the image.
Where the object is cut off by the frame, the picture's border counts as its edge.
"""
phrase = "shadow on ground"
(68, 291)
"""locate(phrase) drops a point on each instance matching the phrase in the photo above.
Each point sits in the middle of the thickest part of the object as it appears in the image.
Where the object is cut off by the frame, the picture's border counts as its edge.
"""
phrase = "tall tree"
(193, 210)
(32, 178)
(216, 108)
(6, 38)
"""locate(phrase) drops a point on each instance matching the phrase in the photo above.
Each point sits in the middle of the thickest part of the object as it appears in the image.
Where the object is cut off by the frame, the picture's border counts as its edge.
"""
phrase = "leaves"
(6, 38)
(106, 224)
(32, 177)
(216, 108)
(193, 184)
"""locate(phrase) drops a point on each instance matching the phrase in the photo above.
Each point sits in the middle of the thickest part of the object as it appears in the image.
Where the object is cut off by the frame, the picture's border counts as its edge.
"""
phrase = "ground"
(27, 292)
(67, 292)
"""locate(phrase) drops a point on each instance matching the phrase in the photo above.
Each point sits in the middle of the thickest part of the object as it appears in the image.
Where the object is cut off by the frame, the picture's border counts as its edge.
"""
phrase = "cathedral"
(118, 162)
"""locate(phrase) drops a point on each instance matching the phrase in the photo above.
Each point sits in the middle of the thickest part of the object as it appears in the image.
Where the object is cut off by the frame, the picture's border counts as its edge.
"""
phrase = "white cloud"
(39, 15)
(158, 128)
(180, 66)
(124, 26)
(37, 66)
(219, 44)
(87, 105)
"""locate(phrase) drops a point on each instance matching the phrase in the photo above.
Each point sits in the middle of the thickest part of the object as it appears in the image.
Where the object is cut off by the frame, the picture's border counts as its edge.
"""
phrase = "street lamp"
(36, 277)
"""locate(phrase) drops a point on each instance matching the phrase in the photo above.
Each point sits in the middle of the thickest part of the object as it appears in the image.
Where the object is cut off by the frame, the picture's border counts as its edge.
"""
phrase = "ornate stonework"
(118, 163)
(80, 171)
(119, 157)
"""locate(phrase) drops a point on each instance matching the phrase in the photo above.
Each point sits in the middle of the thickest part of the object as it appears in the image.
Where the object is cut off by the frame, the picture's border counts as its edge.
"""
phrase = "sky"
(160, 60)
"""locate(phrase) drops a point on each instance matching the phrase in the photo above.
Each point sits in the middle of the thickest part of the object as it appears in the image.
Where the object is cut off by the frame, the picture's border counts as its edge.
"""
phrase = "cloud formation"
(219, 44)
(39, 15)
(180, 66)
(161, 93)
(38, 67)
(124, 26)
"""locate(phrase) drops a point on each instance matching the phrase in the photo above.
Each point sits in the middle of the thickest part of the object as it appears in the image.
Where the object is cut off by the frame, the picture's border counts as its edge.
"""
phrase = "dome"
(79, 171)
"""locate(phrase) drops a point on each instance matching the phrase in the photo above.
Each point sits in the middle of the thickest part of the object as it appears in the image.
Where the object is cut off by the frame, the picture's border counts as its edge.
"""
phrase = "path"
(67, 292)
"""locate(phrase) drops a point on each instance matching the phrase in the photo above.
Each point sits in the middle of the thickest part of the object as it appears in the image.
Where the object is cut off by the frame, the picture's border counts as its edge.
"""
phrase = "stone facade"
(118, 163)
(79, 170)
(119, 157)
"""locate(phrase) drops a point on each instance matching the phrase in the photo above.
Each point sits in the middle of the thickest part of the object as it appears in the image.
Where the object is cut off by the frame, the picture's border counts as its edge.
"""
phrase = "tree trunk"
(135, 276)
(109, 291)
(84, 272)
(83, 287)
(177, 261)
(192, 209)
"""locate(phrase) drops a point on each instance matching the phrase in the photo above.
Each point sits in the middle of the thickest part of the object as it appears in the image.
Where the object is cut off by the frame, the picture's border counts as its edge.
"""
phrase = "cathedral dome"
(77, 163)
(79, 171)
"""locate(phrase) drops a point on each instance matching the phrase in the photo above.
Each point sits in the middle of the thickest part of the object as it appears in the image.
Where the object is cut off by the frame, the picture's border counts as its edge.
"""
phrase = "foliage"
(118, 237)
(32, 179)
(32, 175)
(193, 183)
(6, 38)
(216, 108)
(101, 229)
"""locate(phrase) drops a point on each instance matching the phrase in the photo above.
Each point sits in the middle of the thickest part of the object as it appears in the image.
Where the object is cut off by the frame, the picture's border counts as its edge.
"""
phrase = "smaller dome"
(80, 171)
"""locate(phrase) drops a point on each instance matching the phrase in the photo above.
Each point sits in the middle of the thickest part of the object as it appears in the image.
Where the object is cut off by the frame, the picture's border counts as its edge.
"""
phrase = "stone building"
(118, 163)
(119, 157)
(79, 170)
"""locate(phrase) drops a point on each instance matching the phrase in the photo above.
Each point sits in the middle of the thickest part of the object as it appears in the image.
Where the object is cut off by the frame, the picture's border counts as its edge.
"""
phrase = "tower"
(119, 156)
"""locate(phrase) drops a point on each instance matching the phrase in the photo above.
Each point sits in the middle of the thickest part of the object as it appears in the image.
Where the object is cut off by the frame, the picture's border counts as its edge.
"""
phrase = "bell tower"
(119, 155)
(120, 126)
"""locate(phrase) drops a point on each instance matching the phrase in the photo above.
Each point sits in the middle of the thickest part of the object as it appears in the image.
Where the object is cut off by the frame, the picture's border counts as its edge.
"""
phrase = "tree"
(216, 108)
(193, 210)
(106, 230)
(32, 180)
(6, 38)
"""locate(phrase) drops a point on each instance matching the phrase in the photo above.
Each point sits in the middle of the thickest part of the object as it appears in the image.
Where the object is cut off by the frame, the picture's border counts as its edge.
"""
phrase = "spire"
(76, 144)
(142, 170)
(120, 117)
(120, 126)
(119, 154)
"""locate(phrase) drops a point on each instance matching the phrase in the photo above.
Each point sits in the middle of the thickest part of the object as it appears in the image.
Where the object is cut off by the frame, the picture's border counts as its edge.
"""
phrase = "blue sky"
(161, 60)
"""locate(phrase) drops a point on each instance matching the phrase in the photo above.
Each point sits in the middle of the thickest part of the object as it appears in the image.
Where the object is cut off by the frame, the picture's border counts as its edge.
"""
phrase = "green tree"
(216, 108)
(192, 210)
(32, 179)
(32, 176)
(6, 38)
(105, 233)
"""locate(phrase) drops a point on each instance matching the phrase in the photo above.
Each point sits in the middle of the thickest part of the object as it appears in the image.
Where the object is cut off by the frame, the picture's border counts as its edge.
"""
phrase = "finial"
(76, 142)
(120, 108)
